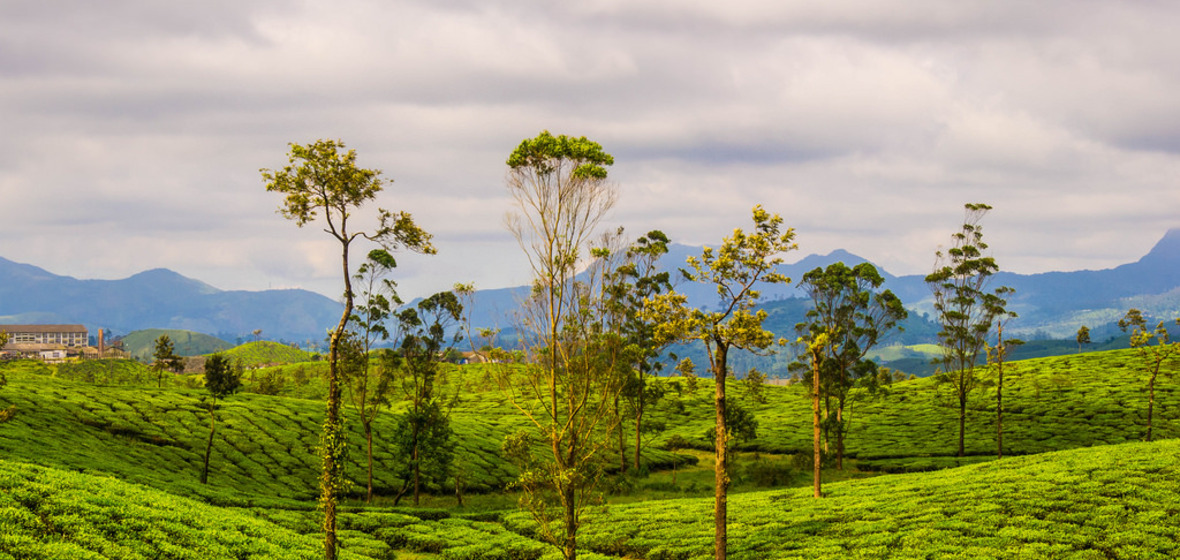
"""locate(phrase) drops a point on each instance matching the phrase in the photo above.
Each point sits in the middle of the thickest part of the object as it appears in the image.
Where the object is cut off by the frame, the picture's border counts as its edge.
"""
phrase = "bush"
(770, 473)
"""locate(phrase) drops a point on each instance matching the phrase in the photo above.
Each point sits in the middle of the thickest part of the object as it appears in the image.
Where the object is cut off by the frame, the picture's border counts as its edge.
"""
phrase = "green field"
(106, 426)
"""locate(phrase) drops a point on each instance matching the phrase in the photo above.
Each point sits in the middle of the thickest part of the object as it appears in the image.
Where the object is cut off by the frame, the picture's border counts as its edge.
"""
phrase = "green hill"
(141, 345)
(265, 352)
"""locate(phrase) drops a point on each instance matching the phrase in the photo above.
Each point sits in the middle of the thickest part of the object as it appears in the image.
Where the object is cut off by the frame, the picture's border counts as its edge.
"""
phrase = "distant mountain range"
(161, 298)
(1050, 304)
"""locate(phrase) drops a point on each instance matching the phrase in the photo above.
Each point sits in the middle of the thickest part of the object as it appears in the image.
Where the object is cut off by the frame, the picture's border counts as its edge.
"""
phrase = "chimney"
(101, 347)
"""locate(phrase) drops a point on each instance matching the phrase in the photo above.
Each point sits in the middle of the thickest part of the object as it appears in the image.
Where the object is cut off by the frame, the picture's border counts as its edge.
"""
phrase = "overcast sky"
(133, 131)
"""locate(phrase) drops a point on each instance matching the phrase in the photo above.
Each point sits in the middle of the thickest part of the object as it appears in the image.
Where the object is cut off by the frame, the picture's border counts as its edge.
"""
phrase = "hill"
(141, 344)
(265, 352)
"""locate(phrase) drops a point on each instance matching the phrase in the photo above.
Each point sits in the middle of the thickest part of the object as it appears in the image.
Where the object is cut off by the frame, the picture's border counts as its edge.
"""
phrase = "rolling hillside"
(1100, 497)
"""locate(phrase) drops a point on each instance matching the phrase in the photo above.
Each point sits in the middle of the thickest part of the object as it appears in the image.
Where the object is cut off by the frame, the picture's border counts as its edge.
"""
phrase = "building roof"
(43, 328)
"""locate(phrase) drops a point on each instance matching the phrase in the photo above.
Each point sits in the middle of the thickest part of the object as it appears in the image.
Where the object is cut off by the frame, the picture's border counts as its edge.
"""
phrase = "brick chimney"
(101, 346)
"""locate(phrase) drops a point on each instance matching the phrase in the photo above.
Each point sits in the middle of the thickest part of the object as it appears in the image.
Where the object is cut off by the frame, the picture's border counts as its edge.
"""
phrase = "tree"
(560, 190)
(847, 305)
(166, 359)
(628, 286)
(964, 308)
(221, 381)
(423, 439)
(1153, 356)
(323, 179)
(743, 261)
(995, 358)
(1083, 337)
(368, 385)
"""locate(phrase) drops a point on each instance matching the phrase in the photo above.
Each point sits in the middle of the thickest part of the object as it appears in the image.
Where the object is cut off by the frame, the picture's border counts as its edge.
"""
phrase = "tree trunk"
(818, 458)
(1151, 400)
(417, 473)
(333, 432)
(721, 470)
(209, 445)
(569, 547)
(638, 424)
(962, 420)
(369, 440)
(622, 442)
(999, 389)
(840, 435)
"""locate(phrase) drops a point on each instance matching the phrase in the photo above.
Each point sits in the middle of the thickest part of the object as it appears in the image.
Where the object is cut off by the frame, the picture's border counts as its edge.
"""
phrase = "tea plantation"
(96, 462)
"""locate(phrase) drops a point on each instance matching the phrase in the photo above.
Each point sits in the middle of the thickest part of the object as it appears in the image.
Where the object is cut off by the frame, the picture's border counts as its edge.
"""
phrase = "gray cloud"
(136, 129)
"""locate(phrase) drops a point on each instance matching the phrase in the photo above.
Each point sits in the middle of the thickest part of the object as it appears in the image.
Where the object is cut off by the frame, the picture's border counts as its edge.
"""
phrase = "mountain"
(161, 298)
(1051, 304)
(1057, 303)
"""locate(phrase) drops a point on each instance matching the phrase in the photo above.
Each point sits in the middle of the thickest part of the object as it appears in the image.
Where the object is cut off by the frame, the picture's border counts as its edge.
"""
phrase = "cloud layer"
(134, 130)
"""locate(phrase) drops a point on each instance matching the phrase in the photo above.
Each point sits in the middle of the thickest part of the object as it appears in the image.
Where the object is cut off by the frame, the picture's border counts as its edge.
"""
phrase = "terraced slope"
(1049, 404)
(50, 514)
(1106, 502)
(264, 452)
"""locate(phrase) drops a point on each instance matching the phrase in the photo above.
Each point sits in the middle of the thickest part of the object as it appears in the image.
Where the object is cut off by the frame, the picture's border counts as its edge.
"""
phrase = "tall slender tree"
(323, 181)
(1153, 356)
(743, 261)
(423, 438)
(995, 358)
(629, 285)
(964, 307)
(369, 381)
(561, 193)
(221, 380)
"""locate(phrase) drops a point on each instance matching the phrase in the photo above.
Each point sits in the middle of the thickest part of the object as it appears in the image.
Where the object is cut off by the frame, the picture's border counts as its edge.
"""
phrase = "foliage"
(964, 307)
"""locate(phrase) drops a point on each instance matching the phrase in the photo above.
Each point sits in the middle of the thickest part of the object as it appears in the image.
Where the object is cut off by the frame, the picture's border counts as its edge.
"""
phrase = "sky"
(133, 131)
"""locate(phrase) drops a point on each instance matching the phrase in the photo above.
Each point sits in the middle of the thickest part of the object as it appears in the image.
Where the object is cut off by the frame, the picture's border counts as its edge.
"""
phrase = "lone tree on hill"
(560, 190)
(221, 381)
(1083, 337)
(744, 259)
(1153, 356)
(965, 309)
(323, 178)
(166, 359)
